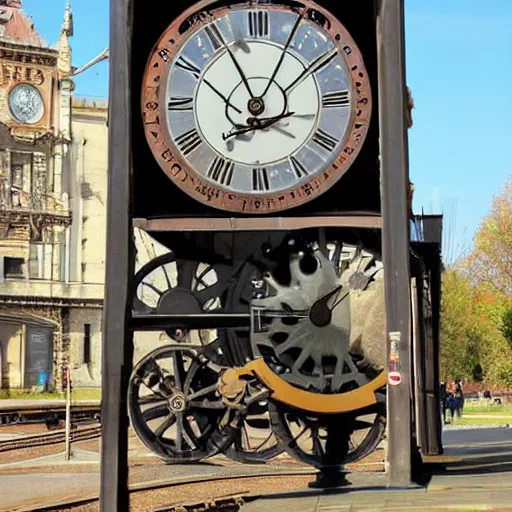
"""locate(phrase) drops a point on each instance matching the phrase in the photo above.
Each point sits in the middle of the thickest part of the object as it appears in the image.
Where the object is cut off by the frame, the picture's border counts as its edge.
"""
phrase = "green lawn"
(77, 394)
(483, 413)
(487, 408)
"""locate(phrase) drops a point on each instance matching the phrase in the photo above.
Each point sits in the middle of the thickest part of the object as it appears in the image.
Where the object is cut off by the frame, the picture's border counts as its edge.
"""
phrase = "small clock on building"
(26, 104)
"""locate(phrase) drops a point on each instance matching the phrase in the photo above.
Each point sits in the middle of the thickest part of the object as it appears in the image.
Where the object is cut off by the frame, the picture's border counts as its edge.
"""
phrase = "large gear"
(303, 328)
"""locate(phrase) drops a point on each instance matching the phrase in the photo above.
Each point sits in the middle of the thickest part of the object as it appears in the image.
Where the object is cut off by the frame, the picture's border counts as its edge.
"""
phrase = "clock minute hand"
(287, 44)
(317, 64)
(218, 35)
(216, 91)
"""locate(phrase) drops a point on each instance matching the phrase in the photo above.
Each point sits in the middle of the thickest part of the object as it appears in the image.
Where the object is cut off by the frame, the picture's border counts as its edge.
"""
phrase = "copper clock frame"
(169, 158)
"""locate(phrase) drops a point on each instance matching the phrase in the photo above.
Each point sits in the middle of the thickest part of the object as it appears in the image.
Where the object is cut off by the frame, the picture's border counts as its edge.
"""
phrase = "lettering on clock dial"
(181, 104)
(324, 140)
(259, 23)
(336, 99)
(298, 168)
(260, 181)
(188, 66)
(221, 171)
(188, 141)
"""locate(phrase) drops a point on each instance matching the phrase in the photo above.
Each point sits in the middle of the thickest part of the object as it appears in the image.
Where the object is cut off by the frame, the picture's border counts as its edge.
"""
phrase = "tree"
(476, 322)
(459, 343)
(506, 325)
(491, 260)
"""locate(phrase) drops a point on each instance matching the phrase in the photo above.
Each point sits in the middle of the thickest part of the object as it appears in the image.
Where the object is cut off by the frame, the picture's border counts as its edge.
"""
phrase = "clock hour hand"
(256, 124)
(220, 38)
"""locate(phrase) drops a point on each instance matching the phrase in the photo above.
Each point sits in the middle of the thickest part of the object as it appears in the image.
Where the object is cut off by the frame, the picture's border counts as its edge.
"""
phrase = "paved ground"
(479, 476)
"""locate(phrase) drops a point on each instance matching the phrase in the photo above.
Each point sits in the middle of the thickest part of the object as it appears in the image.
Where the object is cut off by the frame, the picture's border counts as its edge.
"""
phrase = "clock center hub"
(269, 123)
(256, 106)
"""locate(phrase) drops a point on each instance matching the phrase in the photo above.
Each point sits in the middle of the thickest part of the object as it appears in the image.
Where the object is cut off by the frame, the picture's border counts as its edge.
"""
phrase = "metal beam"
(117, 341)
(257, 223)
(190, 321)
(395, 231)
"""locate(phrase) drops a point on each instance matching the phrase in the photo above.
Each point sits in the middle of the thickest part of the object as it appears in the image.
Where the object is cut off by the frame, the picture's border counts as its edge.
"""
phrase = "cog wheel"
(304, 327)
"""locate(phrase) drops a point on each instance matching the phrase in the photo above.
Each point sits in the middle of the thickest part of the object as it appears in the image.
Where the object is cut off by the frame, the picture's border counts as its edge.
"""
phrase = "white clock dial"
(272, 114)
(258, 108)
(26, 104)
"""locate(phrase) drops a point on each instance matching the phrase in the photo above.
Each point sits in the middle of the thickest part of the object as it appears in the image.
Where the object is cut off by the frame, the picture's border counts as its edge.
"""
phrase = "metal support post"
(395, 237)
(117, 339)
(68, 413)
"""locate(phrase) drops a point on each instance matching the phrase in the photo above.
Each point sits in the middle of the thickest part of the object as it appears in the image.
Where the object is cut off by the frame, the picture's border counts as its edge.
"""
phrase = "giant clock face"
(255, 109)
(26, 104)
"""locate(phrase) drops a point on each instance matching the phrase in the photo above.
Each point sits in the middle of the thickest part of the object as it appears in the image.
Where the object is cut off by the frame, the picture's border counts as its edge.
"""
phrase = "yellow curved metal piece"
(313, 402)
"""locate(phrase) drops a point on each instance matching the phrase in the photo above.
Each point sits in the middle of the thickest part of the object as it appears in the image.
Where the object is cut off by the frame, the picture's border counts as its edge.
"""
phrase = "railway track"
(147, 495)
(49, 438)
(47, 413)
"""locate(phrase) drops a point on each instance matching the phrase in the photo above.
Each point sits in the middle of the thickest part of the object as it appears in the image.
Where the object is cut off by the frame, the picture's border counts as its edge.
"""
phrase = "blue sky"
(459, 67)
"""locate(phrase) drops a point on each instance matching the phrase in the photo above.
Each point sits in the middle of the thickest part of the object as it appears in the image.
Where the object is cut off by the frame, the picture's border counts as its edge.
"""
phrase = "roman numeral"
(215, 36)
(259, 24)
(298, 168)
(336, 99)
(324, 140)
(185, 103)
(188, 141)
(221, 171)
(260, 181)
(188, 66)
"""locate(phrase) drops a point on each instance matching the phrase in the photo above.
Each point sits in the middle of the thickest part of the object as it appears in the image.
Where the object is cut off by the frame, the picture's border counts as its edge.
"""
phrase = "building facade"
(53, 163)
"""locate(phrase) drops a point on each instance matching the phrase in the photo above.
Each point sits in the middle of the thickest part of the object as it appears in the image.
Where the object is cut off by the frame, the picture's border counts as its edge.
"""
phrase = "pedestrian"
(443, 398)
(450, 400)
(459, 397)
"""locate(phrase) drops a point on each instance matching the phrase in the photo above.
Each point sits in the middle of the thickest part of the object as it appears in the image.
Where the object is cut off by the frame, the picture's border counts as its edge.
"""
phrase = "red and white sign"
(394, 378)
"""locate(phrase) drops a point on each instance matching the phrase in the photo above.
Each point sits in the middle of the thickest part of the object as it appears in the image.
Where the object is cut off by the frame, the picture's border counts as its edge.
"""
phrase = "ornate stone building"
(52, 197)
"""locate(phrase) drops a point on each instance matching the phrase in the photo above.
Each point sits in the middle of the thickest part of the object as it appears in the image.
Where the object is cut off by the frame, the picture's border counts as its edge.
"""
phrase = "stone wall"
(90, 136)
(85, 374)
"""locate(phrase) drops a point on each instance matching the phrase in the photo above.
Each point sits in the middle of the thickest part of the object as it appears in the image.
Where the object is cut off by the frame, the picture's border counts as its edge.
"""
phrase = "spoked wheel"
(170, 285)
(327, 441)
(174, 407)
(255, 442)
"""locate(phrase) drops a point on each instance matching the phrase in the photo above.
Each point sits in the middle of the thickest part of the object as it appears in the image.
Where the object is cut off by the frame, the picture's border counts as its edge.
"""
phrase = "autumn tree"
(476, 323)
(491, 260)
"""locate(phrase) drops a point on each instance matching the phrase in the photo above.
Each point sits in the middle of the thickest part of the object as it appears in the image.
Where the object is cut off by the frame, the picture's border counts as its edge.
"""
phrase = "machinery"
(254, 129)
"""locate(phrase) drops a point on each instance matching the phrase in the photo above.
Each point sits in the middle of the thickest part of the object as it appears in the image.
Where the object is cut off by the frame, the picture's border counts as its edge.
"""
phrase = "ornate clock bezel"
(168, 156)
(14, 117)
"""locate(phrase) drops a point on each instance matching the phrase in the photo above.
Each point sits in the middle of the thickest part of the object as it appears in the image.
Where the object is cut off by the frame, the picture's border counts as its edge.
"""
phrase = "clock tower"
(35, 141)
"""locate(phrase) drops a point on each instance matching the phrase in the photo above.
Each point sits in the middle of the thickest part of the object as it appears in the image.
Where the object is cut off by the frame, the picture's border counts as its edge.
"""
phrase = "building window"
(40, 261)
(87, 343)
(21, 179)
(13, 267)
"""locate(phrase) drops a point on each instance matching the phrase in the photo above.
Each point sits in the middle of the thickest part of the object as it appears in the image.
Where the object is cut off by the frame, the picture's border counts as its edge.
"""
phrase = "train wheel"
(167, 284)
(330, 440)
(174, 407)
(255, 442)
